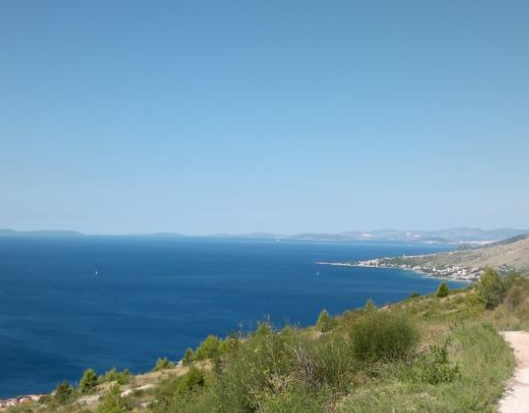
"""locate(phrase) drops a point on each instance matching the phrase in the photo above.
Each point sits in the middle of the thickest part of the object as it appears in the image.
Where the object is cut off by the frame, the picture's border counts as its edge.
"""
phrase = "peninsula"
(507, 256)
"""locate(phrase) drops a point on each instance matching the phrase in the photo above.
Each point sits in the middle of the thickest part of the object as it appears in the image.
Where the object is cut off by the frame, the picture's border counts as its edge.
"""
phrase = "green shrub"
(88, 382)
(415, 295)
(380, 335)
(264, 363)
(325, 322)
(442, 290)
(112, 402)
(64, 393)
(188, 357)
(208, 349)
(325, 362)
(228, 346)
(514, 297)
(163, 364)
(194, 379)
(113, 374)
(173, 393)
(263, 329)
(435, 367)
(491, 290)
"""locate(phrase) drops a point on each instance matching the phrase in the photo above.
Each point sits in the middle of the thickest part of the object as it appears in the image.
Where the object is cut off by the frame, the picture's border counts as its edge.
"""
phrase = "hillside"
(507, 256)
(440, 353)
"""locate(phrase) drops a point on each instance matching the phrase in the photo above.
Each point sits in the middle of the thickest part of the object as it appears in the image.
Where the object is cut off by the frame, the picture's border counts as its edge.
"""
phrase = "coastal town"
(452, 272)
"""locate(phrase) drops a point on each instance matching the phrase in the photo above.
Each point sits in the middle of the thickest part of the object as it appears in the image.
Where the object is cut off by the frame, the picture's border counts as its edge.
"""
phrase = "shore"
(450, 272)
(20, 400)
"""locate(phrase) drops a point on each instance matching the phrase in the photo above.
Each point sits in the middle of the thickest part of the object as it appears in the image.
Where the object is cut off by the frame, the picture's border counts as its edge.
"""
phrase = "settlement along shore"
(452, 272)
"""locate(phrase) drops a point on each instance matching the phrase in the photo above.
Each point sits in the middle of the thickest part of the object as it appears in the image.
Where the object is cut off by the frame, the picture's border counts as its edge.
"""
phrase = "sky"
(129, 116)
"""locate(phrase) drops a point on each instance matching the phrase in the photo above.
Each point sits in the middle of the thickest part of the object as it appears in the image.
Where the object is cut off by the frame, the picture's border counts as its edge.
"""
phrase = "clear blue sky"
(263, 115)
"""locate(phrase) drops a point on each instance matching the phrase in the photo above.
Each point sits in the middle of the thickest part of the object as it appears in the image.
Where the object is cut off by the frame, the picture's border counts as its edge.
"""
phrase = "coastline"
(19, 401)
(453, 273)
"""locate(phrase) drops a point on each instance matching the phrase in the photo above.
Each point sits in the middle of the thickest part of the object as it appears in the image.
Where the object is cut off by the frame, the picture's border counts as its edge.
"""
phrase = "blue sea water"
(155, 297)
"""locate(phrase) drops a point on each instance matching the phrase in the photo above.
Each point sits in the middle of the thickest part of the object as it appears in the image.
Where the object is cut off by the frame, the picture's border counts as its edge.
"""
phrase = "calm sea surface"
(155, 297)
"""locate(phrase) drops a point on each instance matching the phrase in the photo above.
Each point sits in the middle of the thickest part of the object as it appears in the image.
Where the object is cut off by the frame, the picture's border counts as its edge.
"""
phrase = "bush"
(435, 368)
(263, 363)
(228, 346)
(194, 379)
(88, 382)
(325, 362)
(325, 322)
(112, 402)
(208, 349)
(64, 393)
(514, 297)
(383, 336)
(173, 393)
(163, 364)
(113, 374)
(491, 290)
(188, 357)
(442, 290)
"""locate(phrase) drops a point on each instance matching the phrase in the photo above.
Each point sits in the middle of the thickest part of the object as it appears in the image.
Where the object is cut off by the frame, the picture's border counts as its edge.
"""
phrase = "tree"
(491, 289)
(64, 393)
(163, 364)
(208, 349)
(442, 290)
(188, 357)
(88, 382)
(325, 321)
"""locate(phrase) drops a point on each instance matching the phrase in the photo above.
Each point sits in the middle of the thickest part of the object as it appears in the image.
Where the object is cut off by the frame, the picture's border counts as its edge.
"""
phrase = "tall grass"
(485, 362)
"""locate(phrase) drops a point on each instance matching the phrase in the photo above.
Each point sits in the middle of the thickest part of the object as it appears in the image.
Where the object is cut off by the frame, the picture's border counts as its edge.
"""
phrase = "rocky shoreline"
(20, 400)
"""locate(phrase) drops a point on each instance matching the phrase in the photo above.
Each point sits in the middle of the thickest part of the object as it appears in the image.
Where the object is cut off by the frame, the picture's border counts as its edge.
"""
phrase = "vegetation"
(163, 364)
(112, 401)
(64, 393)
(491, 289)
(424, 354)
(208, 349)
(88, 382)
(188, 357)
(325, 322)
(442, 290)
(120, 377)
(381, 335)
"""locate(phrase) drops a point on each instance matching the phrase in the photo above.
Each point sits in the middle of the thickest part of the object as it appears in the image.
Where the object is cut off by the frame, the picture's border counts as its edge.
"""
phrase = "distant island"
(452, 236)
(507, 256)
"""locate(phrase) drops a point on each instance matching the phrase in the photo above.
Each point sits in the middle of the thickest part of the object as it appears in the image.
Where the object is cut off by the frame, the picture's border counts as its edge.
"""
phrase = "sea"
(72, 303)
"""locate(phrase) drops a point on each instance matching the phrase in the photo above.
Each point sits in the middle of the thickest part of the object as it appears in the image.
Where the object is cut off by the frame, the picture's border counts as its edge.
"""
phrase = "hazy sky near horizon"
(251, 115)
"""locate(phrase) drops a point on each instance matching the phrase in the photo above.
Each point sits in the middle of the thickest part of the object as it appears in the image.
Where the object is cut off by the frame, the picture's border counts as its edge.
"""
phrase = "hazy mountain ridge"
(452, 235)
(447, 236)
(40, 233)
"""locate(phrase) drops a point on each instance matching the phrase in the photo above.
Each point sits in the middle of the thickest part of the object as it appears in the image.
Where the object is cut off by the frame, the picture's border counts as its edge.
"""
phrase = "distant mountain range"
(474, 236)
(447, 236)
(43, 233)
